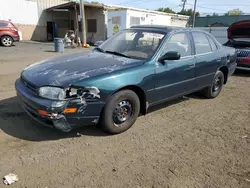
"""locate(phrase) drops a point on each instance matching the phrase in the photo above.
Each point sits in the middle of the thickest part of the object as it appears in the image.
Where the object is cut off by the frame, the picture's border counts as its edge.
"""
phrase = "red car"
(8, 33)
(239, 38)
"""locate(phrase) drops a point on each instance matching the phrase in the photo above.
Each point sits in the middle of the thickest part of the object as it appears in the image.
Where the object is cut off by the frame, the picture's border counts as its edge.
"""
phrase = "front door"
(176, 77)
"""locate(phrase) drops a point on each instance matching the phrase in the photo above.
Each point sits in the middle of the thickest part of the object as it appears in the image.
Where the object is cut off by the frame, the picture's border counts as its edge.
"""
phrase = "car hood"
(239, 30)
(65, 70)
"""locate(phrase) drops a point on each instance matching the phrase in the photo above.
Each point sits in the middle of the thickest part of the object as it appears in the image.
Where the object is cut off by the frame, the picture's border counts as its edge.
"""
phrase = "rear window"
(3, 24)
(201, 42)
(212, 43)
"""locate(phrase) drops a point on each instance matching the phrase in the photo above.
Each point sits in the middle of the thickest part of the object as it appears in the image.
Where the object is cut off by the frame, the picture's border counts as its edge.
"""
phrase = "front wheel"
(214, 90)
(6, 41)
(120, 112)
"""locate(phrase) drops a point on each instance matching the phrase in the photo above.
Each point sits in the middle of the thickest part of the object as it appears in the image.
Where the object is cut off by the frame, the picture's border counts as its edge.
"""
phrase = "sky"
(203, 6)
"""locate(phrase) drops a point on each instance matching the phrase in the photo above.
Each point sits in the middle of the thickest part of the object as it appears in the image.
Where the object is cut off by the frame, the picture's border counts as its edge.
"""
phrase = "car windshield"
(137, 44)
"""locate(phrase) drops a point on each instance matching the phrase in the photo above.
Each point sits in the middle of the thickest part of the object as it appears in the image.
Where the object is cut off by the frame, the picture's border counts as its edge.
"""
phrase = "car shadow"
(15, 122)
(50, 51)
(241, 73)
(1, 46)
(167, 104)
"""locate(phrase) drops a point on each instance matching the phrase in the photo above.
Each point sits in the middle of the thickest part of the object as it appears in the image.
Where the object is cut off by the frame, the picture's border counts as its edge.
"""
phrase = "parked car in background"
(8, 33)
(130, 72)
(239, 38)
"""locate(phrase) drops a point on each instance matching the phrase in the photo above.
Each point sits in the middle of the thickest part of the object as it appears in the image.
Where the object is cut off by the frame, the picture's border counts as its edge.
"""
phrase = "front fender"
(141, 76)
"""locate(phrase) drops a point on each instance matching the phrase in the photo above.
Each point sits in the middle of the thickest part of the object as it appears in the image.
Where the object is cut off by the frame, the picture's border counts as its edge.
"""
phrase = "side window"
(2, 24)
(212, 43)
(180, 43)
(201, 43)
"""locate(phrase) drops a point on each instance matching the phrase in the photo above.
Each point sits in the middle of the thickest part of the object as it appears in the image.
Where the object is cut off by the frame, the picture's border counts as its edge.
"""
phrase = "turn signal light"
(42, 112)
(70, 110)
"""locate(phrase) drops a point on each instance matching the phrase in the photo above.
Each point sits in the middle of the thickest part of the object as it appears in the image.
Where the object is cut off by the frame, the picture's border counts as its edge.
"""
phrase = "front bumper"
(87, 113)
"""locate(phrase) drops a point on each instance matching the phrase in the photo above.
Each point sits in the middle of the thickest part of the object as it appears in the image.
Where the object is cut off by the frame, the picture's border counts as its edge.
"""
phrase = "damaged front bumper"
(54, 115)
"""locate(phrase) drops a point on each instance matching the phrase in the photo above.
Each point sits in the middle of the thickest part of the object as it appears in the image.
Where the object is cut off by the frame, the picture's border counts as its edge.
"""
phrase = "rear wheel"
(216, 87)
(120, 112)
(6, 41)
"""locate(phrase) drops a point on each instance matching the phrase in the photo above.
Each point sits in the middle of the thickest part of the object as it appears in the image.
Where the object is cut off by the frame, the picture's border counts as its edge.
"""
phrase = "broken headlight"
(85, 92)
(55, 93)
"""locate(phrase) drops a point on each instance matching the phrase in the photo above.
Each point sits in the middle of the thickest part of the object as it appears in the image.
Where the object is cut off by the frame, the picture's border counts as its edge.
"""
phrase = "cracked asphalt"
(185, 143)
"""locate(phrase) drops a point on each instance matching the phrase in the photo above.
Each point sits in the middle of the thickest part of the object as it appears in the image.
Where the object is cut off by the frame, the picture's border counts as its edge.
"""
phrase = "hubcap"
(7, 41)
(217, 84)
(122, 112)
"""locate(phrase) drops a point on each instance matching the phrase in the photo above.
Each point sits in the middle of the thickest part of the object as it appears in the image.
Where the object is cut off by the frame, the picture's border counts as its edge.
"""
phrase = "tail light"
(245, 60)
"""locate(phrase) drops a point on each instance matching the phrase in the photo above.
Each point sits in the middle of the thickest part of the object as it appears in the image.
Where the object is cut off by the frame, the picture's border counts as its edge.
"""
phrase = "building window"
(116, 20)
(80, 26)
(134, 21)
(92, 26)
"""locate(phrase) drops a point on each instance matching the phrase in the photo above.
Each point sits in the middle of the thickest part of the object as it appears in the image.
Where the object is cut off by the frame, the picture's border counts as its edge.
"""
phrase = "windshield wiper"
(117, 53)
(99, 49)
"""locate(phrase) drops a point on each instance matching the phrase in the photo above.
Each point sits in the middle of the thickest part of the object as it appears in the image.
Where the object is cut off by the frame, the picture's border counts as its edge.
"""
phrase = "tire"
(6, 41)
(215, 88)
(120, 112)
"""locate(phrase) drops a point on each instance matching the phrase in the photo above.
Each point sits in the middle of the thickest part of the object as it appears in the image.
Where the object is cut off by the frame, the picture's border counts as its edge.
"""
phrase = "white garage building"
(43, 20)
(124, 17)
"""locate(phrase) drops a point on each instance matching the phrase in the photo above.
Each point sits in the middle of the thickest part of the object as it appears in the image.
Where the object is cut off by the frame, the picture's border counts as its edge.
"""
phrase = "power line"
(206, 7)
(225, 5)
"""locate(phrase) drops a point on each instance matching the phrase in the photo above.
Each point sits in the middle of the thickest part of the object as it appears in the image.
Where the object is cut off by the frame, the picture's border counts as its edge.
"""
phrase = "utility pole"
(183, 5)
(82, 12)
(195, 3)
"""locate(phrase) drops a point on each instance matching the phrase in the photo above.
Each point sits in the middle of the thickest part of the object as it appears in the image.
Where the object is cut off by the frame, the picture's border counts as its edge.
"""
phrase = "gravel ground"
(188, 142)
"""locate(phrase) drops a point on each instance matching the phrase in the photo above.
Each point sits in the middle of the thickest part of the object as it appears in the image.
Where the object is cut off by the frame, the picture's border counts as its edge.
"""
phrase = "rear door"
(207, 58)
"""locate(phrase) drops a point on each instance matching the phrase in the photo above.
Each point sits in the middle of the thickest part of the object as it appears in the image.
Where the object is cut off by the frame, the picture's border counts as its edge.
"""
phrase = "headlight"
(52, 93)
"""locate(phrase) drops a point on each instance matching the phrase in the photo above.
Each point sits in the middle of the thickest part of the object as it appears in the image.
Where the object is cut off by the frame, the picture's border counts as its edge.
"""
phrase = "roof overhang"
(72, 5)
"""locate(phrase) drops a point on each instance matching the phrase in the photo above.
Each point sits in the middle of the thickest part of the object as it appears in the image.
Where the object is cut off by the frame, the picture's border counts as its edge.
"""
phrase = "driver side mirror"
(171, 55)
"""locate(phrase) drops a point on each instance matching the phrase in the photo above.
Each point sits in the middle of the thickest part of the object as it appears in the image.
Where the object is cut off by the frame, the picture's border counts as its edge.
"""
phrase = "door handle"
(191, 65)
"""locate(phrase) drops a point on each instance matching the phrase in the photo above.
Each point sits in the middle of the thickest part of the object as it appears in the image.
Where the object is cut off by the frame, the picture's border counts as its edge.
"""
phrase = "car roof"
(165, 29)
(4, 21)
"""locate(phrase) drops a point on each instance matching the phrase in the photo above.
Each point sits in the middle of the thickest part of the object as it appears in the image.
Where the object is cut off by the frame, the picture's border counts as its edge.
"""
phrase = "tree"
(189, 12)
(166, 10)
(234, 12)
(215, 14)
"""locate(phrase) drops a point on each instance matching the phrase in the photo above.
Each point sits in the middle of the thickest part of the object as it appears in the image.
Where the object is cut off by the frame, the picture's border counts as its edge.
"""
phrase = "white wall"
(29, 16)
(179, 22)
(19, 11)
(123, 16)
(149, 18)
(220, 33)
(145, 19)
(28, 12)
